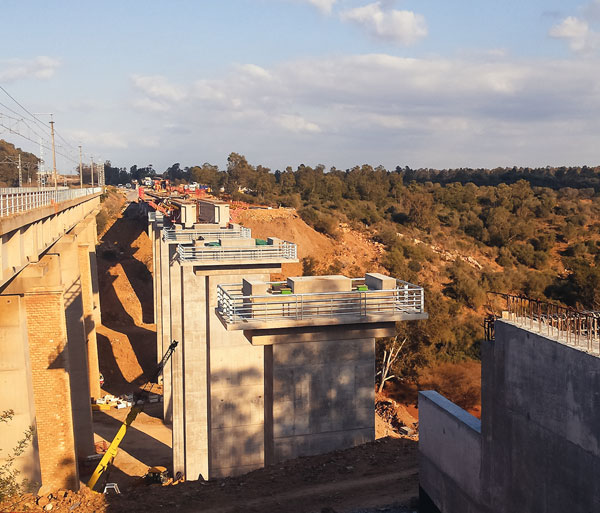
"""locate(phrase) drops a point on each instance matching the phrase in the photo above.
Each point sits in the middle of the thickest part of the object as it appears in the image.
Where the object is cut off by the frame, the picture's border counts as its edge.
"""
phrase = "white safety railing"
(234, 307)
(19, 190)
(283, 251)
(28, 199)
(170, 234)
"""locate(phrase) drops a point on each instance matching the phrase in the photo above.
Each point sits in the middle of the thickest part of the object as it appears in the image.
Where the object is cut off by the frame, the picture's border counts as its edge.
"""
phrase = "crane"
(136, 409)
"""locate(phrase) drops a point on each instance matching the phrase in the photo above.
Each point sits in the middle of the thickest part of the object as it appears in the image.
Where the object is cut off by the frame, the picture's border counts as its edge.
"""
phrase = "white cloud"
(150, 105)
(324, 6)
(297, 124)
(380, 108)
(158, 87)
(41, 67)
(577, 33)
(404, 27)
(102, 140)
(255, 71)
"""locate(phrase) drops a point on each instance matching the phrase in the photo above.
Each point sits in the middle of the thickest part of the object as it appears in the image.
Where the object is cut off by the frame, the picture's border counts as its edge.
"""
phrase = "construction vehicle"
(157, 475)
(139, 401)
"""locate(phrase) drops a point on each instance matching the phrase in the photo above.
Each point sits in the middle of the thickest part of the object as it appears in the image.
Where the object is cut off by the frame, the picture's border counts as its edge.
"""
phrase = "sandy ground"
(146, 444)
(353, 251)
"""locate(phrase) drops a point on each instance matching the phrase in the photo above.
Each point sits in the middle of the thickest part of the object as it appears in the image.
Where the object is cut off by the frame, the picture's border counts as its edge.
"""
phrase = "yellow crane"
(136, 409)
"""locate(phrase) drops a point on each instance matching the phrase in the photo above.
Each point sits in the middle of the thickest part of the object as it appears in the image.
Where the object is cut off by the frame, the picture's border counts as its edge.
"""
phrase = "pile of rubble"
(123, 401)
(387, 410)
(61, 501)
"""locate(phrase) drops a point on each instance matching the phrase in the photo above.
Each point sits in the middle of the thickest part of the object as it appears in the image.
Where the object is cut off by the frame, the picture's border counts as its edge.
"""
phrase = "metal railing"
(234, 307)
(576, 328)
(283, 251)
(24, 200)
(170, 234)
(19, 190)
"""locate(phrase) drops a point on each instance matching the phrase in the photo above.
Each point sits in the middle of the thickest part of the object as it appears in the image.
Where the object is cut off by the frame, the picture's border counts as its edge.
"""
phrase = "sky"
(418, 83)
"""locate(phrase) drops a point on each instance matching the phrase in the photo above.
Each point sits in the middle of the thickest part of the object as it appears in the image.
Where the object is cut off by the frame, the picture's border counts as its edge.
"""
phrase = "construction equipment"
(138, 405)
(157, 475)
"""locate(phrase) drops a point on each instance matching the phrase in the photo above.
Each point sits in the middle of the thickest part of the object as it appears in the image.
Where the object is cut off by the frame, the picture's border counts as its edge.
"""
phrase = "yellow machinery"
(136, 409)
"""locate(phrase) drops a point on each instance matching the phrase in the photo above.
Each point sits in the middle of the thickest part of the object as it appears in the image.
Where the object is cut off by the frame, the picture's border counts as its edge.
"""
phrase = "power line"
(37, 120)
(33, 117)
(37, 142)
(22, 120)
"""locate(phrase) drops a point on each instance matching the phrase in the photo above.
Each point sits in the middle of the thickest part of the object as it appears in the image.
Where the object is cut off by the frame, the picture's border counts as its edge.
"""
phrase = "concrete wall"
(449, 455)
(23, 237)
(217, 381)
(323, 396)
(44, 304)
(47, 328)
(540, 422)
(88, 275)
(16, 386)
(540, 440)
(68, 252)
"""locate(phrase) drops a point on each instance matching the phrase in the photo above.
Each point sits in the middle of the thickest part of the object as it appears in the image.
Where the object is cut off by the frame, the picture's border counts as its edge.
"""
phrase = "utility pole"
(80, 169)
(92, 171)
(53, 154)
(20, 172)
(41, 167)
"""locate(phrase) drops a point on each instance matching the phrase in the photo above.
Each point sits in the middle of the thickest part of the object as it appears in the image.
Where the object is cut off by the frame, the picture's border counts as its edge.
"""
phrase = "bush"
(325, 224)
(459, 382)
(309, 266)
(9, 483)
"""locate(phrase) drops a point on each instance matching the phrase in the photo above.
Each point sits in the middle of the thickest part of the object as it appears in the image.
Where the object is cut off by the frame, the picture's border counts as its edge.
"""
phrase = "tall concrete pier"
(48, 312)
(166, 239)
(217, 376)
(264, 371)
(318, 337)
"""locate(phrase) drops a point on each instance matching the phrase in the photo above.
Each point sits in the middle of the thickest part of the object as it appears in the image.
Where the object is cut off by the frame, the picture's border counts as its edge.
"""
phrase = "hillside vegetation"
(9, 172)
(459, 233)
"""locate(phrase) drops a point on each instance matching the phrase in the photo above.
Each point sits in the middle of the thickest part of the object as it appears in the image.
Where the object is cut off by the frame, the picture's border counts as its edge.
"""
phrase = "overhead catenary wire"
(49, 148)
(33, 116)
(40, 123)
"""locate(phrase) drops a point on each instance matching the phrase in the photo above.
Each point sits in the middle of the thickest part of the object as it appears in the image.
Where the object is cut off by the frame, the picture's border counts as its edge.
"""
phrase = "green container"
(362, 288)
(261, 242)
(213, 244)
(286, 291)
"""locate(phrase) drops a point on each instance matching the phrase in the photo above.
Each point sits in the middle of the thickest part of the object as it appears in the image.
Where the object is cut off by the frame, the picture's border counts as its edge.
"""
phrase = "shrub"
(9, 482)
(459, 382)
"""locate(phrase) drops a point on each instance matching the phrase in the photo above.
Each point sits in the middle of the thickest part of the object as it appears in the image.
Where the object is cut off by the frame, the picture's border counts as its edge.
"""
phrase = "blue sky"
(334, 82)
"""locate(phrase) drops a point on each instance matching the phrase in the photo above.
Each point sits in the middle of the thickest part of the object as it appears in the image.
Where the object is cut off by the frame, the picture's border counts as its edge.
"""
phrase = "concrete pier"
(217, 376)
(318, 334)
(264, 371)
(48, 356)
(166, 279)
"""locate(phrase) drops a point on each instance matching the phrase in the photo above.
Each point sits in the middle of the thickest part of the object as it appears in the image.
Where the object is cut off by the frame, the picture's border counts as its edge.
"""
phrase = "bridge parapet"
(31, 221)
(14, 200)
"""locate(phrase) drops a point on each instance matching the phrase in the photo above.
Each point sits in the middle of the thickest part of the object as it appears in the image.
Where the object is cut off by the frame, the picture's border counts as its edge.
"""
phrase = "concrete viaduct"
(265, 371)
(49, 307)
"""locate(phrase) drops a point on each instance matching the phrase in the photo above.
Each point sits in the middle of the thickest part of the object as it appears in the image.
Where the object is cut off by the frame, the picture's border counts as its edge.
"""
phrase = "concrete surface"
(24, 236)
(323, 396)
(449, 454)
(48, 315)
(540, 443)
